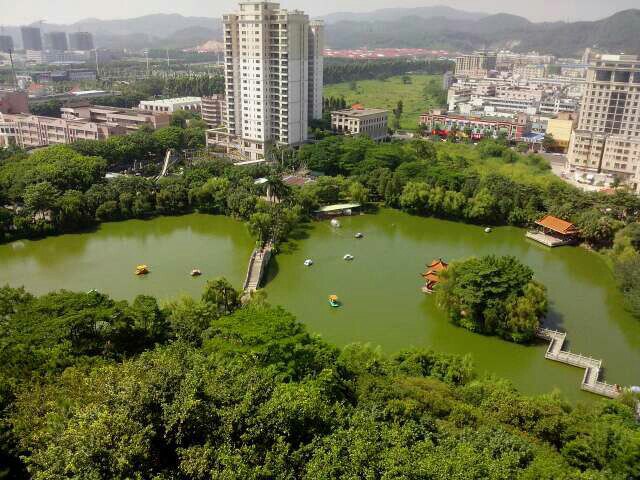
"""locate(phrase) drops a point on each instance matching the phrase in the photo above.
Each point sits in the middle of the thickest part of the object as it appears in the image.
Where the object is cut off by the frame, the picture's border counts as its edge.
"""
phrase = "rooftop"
(361, 112)
(558, 225)
(338, 207)
(171, 101)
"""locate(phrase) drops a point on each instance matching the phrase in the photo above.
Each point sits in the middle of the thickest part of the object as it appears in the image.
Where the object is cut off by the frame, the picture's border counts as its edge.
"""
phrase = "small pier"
(548, 240)
(257, 267)
(591, 379)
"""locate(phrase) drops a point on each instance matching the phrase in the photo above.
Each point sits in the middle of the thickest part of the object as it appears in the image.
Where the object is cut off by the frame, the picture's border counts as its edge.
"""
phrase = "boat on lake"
(348, 257)
(196, 272)
(359, 235)
(334, 301)
(308, 262)
(142, 270)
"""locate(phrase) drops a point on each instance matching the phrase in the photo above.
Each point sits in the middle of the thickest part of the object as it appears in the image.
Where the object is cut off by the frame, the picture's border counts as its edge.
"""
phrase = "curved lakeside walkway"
(590, 381)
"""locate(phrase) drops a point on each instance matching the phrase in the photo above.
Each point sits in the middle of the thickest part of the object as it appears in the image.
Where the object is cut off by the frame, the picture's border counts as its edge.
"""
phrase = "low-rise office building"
(171, 105)
(443, 123)
(361, 121)
(30, 131)
(128, 118)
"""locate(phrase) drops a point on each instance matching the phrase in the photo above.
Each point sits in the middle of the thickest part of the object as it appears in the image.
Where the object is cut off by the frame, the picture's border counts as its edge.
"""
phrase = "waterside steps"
(590, 380)
(257, 267)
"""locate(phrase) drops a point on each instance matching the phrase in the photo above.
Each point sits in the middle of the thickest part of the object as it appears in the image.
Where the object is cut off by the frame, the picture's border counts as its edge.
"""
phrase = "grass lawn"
(387, 93)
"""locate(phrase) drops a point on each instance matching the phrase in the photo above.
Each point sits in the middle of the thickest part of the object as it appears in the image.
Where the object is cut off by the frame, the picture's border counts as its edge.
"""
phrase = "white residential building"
(273, 79)
(170, 105)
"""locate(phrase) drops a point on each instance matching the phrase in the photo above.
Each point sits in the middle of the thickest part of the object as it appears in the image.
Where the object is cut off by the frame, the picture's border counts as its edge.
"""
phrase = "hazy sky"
(14, 12)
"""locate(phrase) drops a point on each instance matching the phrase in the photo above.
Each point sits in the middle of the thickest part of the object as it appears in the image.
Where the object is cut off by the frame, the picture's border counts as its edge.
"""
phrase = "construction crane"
(14, 78)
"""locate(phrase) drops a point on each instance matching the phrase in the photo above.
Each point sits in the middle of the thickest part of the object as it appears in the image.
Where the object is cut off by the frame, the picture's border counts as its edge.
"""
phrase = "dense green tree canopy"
(493, 295)
(93, 388)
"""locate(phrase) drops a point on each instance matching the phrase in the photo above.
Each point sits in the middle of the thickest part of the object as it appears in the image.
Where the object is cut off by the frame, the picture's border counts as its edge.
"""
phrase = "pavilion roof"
(558, 225)
(433, 270)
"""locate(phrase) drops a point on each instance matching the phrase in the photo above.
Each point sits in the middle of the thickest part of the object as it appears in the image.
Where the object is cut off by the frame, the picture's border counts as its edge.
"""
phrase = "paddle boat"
(142, 270)
(195, 272)
(348, 257)
(487, 230)
(308, 262)
(335, 223)
(334, 301)
(359, 235)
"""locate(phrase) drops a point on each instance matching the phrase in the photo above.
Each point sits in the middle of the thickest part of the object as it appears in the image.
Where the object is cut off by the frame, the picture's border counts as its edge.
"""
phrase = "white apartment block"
(171, 105)
(607, 139)
(273, 79)
(212, 110)
(372, 122)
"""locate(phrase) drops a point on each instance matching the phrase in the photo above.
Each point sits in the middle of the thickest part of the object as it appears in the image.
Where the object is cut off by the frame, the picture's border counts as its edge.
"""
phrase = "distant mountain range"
(617, 33)
(391, 14)
(423, 27)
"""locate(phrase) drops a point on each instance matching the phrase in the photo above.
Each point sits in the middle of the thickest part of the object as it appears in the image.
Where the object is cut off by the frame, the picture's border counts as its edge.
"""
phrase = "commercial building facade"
(361, 121)
(607, 138)
(273, 79)
(475, 65)
(444, 123)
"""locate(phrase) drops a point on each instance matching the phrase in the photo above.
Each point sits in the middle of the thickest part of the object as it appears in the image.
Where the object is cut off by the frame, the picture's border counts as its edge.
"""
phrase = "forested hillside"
(616, 33)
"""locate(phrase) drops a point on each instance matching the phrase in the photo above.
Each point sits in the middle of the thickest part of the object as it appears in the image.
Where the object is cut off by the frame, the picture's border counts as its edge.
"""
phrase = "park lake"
(380, 290)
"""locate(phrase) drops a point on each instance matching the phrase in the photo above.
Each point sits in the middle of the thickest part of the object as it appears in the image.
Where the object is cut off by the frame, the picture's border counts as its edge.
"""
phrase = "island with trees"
(494, 296)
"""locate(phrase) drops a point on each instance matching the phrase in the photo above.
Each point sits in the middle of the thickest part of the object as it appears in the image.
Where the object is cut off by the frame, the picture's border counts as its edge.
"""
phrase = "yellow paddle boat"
(142, 270)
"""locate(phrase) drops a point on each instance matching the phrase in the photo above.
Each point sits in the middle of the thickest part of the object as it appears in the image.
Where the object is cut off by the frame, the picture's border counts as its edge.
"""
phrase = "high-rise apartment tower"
(81, 41)
(56, 41)
(31, 38)
(607, 139)
(273, 78)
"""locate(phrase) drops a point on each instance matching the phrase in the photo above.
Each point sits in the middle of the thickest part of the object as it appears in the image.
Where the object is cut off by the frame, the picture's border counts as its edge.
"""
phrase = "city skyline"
(72, 11)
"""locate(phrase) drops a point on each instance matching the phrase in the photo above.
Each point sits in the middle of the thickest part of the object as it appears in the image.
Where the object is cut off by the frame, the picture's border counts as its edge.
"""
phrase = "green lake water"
(106, 259)
(380, 290)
